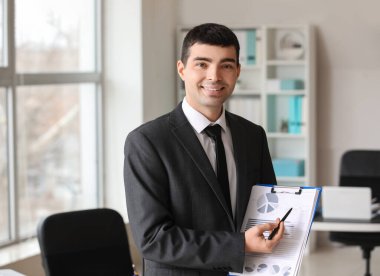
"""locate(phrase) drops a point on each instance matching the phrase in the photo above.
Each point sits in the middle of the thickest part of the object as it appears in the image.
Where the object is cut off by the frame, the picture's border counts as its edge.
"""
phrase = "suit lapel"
(185, 135)
(243, 190)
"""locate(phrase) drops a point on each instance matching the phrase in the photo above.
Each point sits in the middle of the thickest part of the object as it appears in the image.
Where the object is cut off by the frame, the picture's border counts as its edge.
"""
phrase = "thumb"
(266, 227)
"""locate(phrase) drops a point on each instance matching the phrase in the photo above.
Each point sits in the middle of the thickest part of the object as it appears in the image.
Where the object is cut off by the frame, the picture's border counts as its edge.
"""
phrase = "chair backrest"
(87, 242)
(361, 168)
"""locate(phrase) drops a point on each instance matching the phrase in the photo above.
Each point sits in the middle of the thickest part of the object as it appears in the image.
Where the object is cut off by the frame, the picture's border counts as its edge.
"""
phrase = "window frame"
(10, 80)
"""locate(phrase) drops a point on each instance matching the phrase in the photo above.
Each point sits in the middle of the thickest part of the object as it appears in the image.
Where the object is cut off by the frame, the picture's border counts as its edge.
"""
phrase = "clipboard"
(268, 202)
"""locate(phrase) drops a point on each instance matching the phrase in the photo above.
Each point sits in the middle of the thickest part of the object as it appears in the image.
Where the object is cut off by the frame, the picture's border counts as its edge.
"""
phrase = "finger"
(280, 232)
(282, 229)
(265, 227)
(275, 224)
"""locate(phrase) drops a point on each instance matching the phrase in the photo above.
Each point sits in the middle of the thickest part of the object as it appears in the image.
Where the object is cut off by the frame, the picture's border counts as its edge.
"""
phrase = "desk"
(321, 224)
(9, 272)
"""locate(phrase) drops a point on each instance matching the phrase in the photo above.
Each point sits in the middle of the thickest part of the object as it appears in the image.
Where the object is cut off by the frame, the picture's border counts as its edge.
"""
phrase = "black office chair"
(360, 168)
(88, 242)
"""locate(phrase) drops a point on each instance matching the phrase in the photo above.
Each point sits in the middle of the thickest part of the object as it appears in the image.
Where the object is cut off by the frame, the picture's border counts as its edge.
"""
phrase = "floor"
(338, 261)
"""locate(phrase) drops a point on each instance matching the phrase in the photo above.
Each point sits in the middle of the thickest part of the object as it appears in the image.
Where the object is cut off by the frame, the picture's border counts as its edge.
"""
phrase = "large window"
(2, 32)
(55, 35)
(4, 200)
(50, 91)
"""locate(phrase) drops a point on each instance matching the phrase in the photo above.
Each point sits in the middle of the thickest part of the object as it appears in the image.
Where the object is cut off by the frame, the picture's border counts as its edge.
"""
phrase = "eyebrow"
(210, 60)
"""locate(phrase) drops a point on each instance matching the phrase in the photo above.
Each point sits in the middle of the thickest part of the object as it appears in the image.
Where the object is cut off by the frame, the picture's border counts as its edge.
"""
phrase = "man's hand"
(255, 240)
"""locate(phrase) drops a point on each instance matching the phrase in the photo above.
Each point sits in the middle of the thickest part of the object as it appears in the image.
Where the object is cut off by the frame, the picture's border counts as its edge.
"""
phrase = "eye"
(228, 66)
(202, 65)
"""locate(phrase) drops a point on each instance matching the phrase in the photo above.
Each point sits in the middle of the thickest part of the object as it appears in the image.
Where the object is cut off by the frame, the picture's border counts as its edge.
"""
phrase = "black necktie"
(221, 165)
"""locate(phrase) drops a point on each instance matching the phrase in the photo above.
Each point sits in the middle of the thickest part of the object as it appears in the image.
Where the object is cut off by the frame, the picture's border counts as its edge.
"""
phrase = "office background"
(348, 68)
(140, 74)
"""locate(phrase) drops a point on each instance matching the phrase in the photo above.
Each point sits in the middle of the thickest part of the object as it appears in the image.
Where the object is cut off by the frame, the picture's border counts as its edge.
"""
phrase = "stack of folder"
(295, 114)
(248, 46)
(289, 167)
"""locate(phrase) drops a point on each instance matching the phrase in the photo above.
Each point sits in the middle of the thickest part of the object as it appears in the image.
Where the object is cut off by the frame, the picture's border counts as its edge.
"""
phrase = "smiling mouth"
(213, 89)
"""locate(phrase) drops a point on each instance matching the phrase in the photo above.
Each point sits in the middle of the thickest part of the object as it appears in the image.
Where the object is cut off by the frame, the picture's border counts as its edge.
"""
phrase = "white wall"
(123, 86)
(139, 78)
(159, 63)
(348, 64)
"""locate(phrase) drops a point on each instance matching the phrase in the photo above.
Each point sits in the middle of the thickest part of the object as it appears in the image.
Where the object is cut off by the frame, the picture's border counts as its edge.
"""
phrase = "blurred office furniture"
(360, 168)
(9, 272)
(329, 225)
(87, 242)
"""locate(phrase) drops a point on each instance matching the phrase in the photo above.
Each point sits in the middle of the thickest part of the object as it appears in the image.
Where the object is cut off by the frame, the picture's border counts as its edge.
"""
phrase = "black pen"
(275, 230)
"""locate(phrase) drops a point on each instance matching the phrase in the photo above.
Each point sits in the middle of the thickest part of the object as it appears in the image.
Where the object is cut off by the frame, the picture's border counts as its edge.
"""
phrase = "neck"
(212, 114)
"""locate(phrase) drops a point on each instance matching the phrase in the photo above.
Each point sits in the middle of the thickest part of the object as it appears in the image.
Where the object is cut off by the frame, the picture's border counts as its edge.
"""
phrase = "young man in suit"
(181, 219)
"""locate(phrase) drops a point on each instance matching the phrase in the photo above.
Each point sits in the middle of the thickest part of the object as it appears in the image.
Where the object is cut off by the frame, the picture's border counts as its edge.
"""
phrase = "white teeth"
(212, 89)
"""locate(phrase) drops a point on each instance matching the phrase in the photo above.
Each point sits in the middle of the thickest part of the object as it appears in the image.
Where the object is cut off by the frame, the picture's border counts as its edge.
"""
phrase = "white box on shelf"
(274, 85)
(249, 108)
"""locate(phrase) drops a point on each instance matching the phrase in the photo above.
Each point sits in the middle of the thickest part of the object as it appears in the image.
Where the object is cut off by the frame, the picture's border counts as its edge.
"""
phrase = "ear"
(238, 70)
(181, 69)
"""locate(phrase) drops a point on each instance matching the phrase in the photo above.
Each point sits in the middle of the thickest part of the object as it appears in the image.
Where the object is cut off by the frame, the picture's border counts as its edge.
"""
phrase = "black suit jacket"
(177, 212)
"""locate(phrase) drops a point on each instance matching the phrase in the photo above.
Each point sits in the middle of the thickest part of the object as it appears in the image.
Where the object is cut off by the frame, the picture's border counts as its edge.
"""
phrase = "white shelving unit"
(289, 55)
(282, 73)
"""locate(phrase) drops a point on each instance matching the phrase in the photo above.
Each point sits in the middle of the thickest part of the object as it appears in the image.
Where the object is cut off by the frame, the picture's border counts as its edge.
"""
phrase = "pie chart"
(275, 269)
(267, 203)
(286, 271)
(250, 269)
(262, 268)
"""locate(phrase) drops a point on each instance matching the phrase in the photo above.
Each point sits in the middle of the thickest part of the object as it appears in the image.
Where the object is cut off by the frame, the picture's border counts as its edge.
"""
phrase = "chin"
(215, 102)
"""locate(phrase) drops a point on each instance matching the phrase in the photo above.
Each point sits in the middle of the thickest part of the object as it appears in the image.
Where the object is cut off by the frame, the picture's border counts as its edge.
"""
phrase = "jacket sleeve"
(155, 231)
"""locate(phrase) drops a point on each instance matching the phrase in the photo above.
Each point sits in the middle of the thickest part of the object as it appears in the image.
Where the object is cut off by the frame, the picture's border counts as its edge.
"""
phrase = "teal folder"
(295, 114)
(251, 47)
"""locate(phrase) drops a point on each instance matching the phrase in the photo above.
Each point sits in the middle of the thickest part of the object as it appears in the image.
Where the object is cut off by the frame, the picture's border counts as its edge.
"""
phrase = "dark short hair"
(211, 34)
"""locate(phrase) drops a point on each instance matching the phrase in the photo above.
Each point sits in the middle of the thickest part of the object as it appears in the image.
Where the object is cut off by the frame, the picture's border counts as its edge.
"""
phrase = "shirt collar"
(198, 121)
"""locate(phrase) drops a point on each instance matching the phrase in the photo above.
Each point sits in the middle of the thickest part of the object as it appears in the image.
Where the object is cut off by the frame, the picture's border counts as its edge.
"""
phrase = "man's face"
(210, 75)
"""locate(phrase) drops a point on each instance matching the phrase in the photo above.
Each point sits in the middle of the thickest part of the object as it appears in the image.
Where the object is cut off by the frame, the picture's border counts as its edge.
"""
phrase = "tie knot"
(213, 131)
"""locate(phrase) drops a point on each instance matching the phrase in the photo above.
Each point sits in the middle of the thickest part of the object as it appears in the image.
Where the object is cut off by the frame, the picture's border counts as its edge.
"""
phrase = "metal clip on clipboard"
(286, 189)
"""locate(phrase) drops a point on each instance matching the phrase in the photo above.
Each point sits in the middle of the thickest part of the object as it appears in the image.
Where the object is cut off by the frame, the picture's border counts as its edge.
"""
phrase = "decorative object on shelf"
(273, 85)
(277, 85)
(292, 84)
(289, 167)
(284, 127)
(290, 45)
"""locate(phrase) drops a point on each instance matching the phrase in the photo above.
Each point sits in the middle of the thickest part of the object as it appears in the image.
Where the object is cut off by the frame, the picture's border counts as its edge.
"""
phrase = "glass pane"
(55, 35)
(4, 200)
(2, 32)
(56, 151)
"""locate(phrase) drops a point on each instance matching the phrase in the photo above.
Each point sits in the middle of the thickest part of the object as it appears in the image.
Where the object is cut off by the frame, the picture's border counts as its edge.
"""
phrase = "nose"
(213, 73)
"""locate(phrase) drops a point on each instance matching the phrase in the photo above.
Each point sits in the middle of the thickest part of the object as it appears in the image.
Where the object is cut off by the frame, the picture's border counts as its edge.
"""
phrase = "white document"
(265, 205)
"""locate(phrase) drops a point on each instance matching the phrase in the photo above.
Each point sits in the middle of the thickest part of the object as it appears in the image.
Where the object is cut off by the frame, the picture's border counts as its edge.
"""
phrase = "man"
(181, 219)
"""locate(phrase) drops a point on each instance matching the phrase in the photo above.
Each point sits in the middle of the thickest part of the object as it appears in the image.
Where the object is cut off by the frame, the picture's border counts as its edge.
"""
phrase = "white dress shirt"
(199, 122)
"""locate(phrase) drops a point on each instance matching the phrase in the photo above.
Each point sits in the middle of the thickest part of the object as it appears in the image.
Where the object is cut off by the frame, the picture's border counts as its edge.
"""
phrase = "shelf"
(246, 93)
(288, 93)
(280, 135)
(251, 67)
(279, 62)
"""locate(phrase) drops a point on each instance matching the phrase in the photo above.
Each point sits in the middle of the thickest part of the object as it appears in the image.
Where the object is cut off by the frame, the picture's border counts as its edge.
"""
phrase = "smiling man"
(188, 174)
